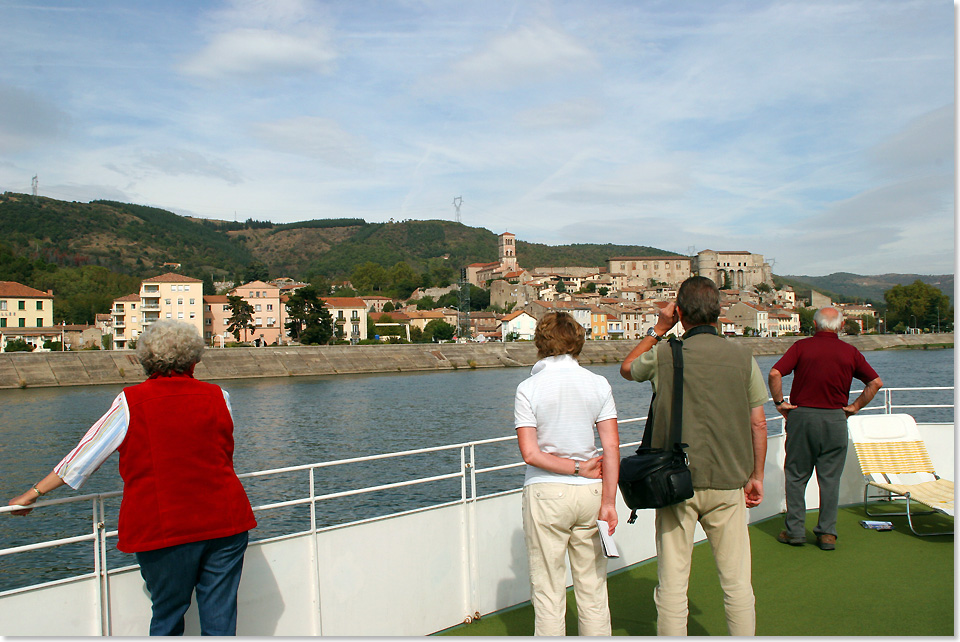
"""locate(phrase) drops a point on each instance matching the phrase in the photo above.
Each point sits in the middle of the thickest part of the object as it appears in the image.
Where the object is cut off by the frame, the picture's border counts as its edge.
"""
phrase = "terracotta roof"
(12, 288)
(256, 284)
(129, 297)
(216, 298)
(344, 302)
(425, 314)
(171, 277)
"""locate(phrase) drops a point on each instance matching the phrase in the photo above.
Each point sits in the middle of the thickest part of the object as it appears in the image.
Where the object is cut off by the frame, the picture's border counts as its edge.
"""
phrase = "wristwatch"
(777, 403)
(576, 468)
(651, 332)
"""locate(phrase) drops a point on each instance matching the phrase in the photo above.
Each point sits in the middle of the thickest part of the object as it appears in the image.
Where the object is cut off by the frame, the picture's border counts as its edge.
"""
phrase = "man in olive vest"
(725, 427)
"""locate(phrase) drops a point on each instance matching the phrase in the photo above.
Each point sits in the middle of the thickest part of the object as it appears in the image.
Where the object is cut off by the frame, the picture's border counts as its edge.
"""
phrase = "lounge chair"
(894, 459)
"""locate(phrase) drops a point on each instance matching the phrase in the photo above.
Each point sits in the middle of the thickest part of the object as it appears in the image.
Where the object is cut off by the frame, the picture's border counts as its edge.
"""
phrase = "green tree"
(590, 287)
(561, 286)
(426, 303)
(918, 305)
(851, 327)
(256, 271)
(369, 277)
(209, 289)
(479, 298)
(389, 307)
(403, 280)
(438, 329)
(806, 320)
(309, 320)
(241, 317)
(603, 290)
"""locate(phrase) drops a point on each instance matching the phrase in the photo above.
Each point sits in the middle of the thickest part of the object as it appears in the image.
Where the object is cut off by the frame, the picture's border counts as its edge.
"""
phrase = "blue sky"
(819, 134)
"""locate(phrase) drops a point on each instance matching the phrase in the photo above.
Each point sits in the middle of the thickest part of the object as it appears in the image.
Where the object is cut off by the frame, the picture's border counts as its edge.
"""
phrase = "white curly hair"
(169, 346)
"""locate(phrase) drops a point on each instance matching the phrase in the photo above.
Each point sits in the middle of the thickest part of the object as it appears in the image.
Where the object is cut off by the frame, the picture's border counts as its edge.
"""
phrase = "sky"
(817, 133)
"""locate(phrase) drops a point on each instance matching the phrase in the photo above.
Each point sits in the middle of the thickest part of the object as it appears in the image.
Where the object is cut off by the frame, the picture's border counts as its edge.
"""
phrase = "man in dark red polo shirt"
(816, 415)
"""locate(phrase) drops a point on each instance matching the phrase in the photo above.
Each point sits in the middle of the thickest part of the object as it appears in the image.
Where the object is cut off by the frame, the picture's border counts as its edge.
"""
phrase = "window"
(39, 323)
(133, 306)
(3, 322)
(258, 322)
(250, 294)
(186, 288)
(168, 301)
(169, 316)
(269, 307)
(270, 322)
(179, 315)
(3, 305)
(22, 323)
(22, 305)
(193, 315)
(356, 328)
(208, 322)
(179, 301)
(256, 308)
(226, 308)
(39, 305)
(226, 322)
(192, 301)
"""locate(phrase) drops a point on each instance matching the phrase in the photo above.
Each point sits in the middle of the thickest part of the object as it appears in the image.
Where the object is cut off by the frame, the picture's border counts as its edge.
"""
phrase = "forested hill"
(845, 286)
(137, 240)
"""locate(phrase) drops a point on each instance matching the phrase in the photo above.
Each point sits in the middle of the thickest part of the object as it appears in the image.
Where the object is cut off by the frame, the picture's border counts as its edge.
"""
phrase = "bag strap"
(676, 427)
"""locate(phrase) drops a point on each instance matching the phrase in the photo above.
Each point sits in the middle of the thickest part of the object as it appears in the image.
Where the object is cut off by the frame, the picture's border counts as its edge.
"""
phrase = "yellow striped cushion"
(893, 457)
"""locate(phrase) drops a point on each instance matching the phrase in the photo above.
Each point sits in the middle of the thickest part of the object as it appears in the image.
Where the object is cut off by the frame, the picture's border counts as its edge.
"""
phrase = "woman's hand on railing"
(25, 499)
(591, 468)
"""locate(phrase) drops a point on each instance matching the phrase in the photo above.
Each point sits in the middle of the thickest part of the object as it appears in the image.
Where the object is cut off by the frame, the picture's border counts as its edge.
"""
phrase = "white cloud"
(28, 120)
(183, 162)
(527, 55)
(261, 53)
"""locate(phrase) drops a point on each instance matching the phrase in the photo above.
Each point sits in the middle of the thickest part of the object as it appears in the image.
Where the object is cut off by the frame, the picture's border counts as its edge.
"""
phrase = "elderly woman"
(184, 512)
(559, 412)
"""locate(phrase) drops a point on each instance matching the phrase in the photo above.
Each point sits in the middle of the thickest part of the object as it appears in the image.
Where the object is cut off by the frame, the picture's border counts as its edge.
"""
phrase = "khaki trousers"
(723, 515)
(561, 519)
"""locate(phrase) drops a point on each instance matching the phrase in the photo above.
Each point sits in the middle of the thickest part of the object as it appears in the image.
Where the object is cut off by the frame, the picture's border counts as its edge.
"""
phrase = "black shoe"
(783, 538)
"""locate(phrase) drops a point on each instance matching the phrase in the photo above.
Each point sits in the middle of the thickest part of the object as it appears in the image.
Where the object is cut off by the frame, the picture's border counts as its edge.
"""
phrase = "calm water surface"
(292, 421)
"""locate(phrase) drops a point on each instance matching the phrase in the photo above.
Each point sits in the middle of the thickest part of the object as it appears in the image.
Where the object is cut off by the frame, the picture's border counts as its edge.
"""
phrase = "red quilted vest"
(176, 461)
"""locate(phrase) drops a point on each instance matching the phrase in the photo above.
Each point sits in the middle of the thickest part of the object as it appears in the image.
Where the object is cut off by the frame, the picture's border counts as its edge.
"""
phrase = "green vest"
(716, 409)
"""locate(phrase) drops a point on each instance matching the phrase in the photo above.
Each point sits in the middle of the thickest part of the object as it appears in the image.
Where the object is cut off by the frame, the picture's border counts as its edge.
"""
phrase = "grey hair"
(169, 346)
(828, 321)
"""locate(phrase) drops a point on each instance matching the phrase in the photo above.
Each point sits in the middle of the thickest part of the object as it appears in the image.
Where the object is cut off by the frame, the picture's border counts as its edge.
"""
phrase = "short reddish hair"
(558, 333)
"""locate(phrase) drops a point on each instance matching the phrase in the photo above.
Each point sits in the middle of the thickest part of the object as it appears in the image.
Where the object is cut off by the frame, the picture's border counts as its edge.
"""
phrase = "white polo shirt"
(564, 402)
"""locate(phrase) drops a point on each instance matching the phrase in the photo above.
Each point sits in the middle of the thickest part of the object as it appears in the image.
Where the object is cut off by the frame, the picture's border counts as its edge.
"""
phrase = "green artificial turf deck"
(874, 583)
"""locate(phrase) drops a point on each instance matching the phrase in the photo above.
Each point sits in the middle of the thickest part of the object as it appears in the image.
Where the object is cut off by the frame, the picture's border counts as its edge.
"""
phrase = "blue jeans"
(211, 566)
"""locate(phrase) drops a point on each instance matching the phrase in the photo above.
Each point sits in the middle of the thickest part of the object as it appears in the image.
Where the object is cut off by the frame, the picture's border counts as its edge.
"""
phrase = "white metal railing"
(467, 472)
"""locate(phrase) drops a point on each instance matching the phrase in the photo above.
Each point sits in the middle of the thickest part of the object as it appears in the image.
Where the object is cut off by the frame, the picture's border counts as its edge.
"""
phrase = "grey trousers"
(816, 438)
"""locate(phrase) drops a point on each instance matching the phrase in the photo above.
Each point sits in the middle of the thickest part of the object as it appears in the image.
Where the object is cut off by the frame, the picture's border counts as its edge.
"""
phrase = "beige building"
(349, 317)
(734, 269)
(672, 270)
(24, 307)
(125, 315)
(749, 315)
(172, 297)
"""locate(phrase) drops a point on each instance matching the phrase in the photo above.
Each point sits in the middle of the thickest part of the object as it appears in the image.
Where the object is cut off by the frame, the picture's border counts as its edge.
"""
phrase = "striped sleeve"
(103, 438)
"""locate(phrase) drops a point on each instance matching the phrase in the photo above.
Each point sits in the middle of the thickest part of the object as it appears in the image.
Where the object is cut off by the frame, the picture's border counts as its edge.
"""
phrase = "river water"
(291, 421)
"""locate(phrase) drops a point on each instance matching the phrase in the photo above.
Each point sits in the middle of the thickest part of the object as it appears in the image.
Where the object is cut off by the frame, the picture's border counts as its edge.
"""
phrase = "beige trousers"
(723, 515)
(561, 519)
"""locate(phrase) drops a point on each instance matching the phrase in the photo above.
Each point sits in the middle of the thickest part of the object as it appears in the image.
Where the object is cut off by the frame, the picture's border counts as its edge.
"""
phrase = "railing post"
(315, 552)
(473, 549)
(100, 565)
(887, 401)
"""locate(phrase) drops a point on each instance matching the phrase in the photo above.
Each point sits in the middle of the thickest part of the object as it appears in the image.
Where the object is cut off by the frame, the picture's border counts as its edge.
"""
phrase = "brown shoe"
(783, 538)
(827, 542)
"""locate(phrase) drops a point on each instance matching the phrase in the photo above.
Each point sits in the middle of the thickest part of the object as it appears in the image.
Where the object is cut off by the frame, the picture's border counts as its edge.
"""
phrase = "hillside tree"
(918, 305)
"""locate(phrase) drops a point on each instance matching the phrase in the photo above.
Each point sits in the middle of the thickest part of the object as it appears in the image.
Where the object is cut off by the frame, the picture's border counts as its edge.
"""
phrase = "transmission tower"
(457, 202)
(35, 184)
(463, 316)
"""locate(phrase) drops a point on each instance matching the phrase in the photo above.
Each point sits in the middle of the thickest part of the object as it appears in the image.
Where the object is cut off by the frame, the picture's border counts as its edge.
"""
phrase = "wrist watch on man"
(652, 332)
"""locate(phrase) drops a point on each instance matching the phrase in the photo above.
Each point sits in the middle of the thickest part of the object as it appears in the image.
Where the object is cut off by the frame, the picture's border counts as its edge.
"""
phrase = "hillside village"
(620, 300)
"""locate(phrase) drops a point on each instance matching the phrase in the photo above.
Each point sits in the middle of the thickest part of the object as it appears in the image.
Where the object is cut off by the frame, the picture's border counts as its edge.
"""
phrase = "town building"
(269, 312)
(350, 317)
(732, 269)
(125, 324)
(24, 307)
(751, 317)
(174, 297)
(518, 326)
(650, 270)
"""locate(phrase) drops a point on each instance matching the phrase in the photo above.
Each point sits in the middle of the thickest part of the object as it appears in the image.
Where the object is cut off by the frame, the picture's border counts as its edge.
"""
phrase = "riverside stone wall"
(23, 370)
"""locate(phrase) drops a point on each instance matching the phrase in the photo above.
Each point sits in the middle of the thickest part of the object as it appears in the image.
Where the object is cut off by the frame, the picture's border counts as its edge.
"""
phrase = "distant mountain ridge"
(138, 240)
(867, 288)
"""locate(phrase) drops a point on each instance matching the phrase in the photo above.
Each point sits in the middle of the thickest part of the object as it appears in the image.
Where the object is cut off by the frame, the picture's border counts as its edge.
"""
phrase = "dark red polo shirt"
(825, 367)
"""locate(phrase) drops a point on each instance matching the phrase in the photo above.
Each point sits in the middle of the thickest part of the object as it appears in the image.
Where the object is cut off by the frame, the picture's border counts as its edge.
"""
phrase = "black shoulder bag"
(658, 477)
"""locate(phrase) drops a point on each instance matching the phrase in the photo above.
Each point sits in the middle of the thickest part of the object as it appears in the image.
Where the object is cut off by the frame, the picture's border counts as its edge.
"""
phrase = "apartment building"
(269, 312)
(750, 315)
(520, 324)
(349, 317)
(174, 297)
(216, 319)
(24, 307)
(125, 314)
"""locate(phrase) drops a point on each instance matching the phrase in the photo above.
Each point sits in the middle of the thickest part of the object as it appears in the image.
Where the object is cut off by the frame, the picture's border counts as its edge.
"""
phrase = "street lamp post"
(914, 317)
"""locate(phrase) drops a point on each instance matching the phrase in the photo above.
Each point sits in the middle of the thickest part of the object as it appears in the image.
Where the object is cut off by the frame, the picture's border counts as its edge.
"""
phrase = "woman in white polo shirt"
(559, 412)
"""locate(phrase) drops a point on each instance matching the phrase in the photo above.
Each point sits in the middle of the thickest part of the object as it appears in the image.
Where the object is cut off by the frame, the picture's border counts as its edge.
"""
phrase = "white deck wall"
(411, 574)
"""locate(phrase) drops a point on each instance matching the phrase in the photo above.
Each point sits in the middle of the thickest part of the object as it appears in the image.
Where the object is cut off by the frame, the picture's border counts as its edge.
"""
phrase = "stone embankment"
(28, 370)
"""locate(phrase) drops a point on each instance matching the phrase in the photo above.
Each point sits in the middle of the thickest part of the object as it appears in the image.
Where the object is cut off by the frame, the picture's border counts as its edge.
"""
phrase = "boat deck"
(874, 583)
